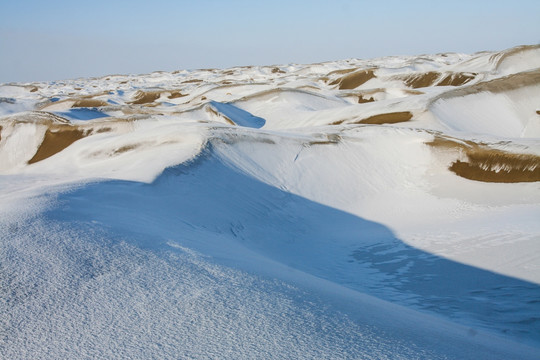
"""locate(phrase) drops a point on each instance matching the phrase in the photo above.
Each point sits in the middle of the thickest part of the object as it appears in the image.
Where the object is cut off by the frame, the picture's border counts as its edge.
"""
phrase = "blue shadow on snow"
(206, 199)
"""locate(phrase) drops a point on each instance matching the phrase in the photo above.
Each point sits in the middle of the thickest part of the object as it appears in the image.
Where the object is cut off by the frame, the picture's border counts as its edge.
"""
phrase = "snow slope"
(383, 208)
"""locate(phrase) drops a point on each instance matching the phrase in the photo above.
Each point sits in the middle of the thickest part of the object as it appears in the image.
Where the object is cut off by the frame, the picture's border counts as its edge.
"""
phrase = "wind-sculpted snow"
(237, 116)
(383, 208)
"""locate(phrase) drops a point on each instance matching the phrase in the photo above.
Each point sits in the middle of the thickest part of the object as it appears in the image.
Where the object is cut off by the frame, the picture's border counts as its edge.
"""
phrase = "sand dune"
(499, 85)
(354, 80)
(56, 140)
(390, 202)
(388, 118)
(480, 162)
(497, 166)
(89, 103)
(145, 97)
(434, 78)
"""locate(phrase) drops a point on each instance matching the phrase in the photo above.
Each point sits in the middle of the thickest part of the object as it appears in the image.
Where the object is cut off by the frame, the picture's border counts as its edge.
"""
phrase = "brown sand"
(214, 112)
(413, 92)
(0, 133)
(500, 85)
(176, 94)
(55, 140)
(125, 148)
(389, 118)
(103, 130)
(330, 139)
(89, 103)
(490, 165)
(363, 100)
(354, 80)
(498, 166)
(538, 112)
(421, 80)
(191, 81)
(33, 89)
(145, 97)
(456, 79)
(277, 70)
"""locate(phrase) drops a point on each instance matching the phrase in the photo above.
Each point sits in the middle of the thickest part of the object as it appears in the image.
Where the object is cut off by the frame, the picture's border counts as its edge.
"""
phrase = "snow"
(248, 213)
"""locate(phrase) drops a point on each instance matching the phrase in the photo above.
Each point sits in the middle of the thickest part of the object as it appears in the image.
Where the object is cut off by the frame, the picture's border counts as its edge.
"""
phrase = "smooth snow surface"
(356, 209)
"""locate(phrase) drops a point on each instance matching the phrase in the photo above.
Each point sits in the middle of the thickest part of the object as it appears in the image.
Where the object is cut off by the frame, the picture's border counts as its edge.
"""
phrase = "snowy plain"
(356, 209)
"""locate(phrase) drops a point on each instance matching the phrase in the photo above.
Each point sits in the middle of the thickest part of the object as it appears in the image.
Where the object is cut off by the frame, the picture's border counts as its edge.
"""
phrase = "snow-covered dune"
(384, 208)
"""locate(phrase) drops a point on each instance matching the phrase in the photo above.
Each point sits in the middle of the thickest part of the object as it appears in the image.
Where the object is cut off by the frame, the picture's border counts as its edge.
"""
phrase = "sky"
(56, 40)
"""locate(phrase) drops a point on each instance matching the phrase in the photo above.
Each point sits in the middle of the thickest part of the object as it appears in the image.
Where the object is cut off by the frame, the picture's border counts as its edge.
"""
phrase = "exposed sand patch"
(145, 97)
(103, 130)
(176, 94)
(500, 85)
(214, 112)
(33, 89)
(89, 103)
(60, 133)
(434, 78)
(363, 100)
(498, 166)
(56, 139)
(482, 163)
(277, 70)
(456, 79)
(330, 139)
(421, 80)
(413, 92)
(0, 133)
(389, 118)
(354, 80)
(125, 148)
(192, 81)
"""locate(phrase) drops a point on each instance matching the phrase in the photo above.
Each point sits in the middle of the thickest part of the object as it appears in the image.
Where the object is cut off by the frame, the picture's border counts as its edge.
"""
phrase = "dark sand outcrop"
(456, 79)
(434, 78)
(176, 94)
(486, 164)
(499, 85)
(56, 139)
(89, 103)
(354, 80)
(145, 97)
(421, 80)
(277, 70)
(389, 118)
(363, 100)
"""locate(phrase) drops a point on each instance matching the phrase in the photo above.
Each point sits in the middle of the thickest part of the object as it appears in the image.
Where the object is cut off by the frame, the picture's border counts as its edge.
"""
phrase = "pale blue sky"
(53, 40)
